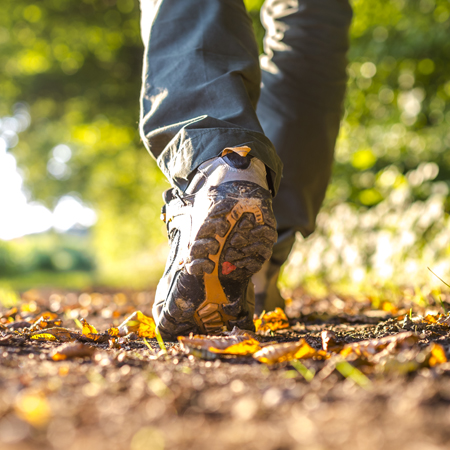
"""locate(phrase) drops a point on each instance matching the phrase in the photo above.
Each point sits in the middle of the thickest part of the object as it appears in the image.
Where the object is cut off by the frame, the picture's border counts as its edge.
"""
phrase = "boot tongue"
(237, 161)
(237, 157)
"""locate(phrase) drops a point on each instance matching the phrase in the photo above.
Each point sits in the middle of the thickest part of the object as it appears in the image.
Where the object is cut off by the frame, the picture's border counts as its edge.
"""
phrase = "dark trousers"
(204, 88)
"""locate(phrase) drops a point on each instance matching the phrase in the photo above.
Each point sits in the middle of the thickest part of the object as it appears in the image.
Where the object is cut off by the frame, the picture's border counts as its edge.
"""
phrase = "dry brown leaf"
(329, 343)
(10, 313)
(386, 345)
(6, 340)
(42, 323)
(75, 350)
(59, 333)
(288, 351)
(18, 325)
(273, 320)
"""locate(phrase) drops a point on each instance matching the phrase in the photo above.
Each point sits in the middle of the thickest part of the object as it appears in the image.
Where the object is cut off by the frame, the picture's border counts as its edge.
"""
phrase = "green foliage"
(78, 65)
(49, 252)
(397, 106)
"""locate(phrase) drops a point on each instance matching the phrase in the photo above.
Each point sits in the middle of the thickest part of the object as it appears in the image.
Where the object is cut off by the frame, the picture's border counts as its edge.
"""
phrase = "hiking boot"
(221, 231)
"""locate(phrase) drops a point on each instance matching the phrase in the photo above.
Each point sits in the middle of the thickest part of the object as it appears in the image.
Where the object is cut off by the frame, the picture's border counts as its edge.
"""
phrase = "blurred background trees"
(75, 66)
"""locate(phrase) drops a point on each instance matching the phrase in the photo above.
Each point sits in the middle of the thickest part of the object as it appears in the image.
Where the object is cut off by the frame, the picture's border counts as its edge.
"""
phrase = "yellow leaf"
(140, 323)
(209, 346)
(94, 336)
(247, 347)
(33, 407)
(114, 332)
(46, 316)
(88, 329)
(288, 351)
(390, 308)
(60, 333)
(437, 355)
(44, 337)
(430, 318)
(273, 320)
(147, 330)
(147, 326)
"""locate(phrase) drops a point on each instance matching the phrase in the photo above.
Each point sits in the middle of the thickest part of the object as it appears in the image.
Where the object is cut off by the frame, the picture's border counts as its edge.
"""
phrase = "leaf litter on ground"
(196, 376)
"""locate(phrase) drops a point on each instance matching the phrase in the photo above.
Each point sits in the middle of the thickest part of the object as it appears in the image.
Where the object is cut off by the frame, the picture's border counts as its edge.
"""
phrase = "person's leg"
(200, 89)
(303, 87)
(201, 83)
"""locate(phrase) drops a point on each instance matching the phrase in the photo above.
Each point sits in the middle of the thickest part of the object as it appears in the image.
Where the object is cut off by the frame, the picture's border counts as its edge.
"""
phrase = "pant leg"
(303, 87)
(201, 83)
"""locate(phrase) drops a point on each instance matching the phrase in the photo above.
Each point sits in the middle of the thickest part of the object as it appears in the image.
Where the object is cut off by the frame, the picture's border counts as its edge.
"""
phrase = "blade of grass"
(78, 323)
(307, 374)
(442, 305)
(160, 341)
(149, 347)
(348, 371)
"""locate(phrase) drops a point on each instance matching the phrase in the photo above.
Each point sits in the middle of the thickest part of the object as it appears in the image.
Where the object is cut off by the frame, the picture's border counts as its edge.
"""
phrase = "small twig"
(440, 300)
(448, 285)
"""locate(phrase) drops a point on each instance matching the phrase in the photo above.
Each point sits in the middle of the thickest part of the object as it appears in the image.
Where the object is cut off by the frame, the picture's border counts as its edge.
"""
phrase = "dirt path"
(125, 396)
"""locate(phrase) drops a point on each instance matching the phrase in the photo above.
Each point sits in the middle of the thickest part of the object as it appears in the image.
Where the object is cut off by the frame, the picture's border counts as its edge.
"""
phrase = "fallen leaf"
(273, 320)
(113, 332)
(288, 351)
(87, 329)
(247, 347)
(430, 318)
(43, 323)
(329, 341)
(18, 325)
(380, 347)
(10, 313)
(6, 340)
(390, 308)
(46, 315)
(437, 355)
(33, 407)
(139, 323)
(210, 347)
(74, 350)
(59, 333)
(43, 337)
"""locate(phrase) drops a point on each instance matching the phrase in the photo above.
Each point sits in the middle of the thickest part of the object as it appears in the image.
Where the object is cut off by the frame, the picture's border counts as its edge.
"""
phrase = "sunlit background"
(80, 197)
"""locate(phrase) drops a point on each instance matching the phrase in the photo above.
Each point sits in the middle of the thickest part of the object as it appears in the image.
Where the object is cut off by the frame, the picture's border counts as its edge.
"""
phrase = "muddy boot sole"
(234, 241)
